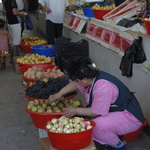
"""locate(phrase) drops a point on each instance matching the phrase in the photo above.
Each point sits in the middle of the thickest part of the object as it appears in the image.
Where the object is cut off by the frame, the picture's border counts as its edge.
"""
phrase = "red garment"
(3, 45)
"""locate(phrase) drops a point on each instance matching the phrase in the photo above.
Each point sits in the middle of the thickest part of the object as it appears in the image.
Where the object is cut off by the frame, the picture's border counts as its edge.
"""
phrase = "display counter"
(106, 57)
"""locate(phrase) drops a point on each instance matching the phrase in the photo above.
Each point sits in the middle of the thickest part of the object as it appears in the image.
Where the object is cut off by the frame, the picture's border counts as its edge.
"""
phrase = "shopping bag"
(28, 22)
(133, 54)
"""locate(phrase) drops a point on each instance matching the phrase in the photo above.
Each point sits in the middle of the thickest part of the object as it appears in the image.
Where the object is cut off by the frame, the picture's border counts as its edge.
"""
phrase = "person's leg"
(3, 65)
(22, 26)
(58, 30)
(50, 32)
(15, 31)
(109, 128)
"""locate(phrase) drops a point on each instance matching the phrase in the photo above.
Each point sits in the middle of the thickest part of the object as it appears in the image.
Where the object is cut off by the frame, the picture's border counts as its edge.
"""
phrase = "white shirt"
(20, 4)
(58, 9)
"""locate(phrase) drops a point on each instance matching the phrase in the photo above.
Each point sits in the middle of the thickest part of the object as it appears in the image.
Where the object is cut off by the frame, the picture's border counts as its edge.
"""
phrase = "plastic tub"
(147, 25)
(71, 141)
(20, 65)
(88, 11)
(43, 66)
(30, 98)
(98, 13)
(26, 48)
(41, 50)
(40, 119)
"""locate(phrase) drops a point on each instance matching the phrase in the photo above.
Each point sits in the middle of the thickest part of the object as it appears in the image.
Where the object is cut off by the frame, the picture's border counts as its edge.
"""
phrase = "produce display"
(147, 19)
(34, 59)
(42, 89)
(97, 6)
(33, 40)
(43, 106)
(36, 72)
(68, 125)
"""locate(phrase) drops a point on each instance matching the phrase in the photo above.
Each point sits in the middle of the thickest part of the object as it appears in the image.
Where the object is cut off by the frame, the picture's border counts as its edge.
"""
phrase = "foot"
(3, 65)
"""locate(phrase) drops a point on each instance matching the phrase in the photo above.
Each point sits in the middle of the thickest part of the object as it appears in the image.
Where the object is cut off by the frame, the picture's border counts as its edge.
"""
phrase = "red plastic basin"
(40, 119)
(98, 13)
(43, 66)
(147, 25)
(71, 141)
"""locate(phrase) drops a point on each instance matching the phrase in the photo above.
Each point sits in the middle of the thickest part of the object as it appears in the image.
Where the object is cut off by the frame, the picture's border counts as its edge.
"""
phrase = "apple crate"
(71, 141)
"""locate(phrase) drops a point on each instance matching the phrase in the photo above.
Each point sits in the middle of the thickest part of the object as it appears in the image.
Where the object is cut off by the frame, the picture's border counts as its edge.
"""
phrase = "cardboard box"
(45, 145)
(16, 66)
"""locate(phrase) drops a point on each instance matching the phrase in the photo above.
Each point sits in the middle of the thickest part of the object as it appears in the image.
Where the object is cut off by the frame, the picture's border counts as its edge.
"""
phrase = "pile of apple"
(97, 6)
(36, 72)
(43, 106)
(68, 125)
(33, 41)
(34, 59)
(147, 19)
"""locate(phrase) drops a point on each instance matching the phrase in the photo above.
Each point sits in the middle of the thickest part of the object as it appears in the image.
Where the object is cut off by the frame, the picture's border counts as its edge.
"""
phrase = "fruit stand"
(108, 42)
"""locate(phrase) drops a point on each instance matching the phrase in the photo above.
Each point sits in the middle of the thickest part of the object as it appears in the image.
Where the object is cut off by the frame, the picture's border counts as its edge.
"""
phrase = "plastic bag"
(133, 54)
(129, 23)
(28, 23)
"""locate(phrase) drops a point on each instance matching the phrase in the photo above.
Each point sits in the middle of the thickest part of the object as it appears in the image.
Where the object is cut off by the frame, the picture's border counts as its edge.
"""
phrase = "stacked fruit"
(33, 41)
(36, 72)
(34, 59)
(43, 89)
(43, 106)
(68, 125)
(97, 6)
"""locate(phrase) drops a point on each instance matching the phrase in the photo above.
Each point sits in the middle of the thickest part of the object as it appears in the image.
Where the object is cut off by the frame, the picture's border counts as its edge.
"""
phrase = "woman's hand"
(56, 97)
(70, 112)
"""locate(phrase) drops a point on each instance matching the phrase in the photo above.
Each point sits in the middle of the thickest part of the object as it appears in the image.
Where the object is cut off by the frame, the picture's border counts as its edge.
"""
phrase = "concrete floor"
(17, 131)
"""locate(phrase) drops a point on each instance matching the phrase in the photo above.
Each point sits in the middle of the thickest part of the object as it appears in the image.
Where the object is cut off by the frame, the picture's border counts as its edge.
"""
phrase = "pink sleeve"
(104, 93)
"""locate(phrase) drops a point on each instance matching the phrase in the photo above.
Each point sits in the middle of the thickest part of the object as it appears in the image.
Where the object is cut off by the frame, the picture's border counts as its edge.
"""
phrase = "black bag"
(66, 49)
(133, 54)
(28, 23)
(129, 23)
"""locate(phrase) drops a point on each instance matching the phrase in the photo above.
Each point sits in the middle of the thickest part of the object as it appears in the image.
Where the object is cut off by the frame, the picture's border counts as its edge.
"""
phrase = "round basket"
(88, 11)
(98, 13)
(41, 50)
(43, 66)
(147, 26)
(20, 64)
(71, 141)
(31, 98)
(40, 119)
(26, 48)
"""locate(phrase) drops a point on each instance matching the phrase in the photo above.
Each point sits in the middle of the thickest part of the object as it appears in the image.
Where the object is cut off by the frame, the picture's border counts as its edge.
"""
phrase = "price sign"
(72, 21)
(76, 23)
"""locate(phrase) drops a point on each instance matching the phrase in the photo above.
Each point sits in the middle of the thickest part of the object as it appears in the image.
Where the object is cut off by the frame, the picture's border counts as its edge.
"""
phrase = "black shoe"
(102, 147)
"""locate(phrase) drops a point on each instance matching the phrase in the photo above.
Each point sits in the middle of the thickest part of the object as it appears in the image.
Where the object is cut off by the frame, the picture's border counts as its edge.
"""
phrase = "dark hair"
(2, 23)
(80, 67)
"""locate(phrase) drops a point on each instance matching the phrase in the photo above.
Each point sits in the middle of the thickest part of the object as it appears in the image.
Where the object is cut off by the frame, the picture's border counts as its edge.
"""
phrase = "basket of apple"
(42, 111)
(70, 133)
(28, 42)
(39, 72)
(34, 59)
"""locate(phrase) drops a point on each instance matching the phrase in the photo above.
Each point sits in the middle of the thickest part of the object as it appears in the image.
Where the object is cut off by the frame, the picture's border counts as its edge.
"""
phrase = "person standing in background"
(22, 7)
(14, 25)
(54, 17)
(33, 5)
(4, 47)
